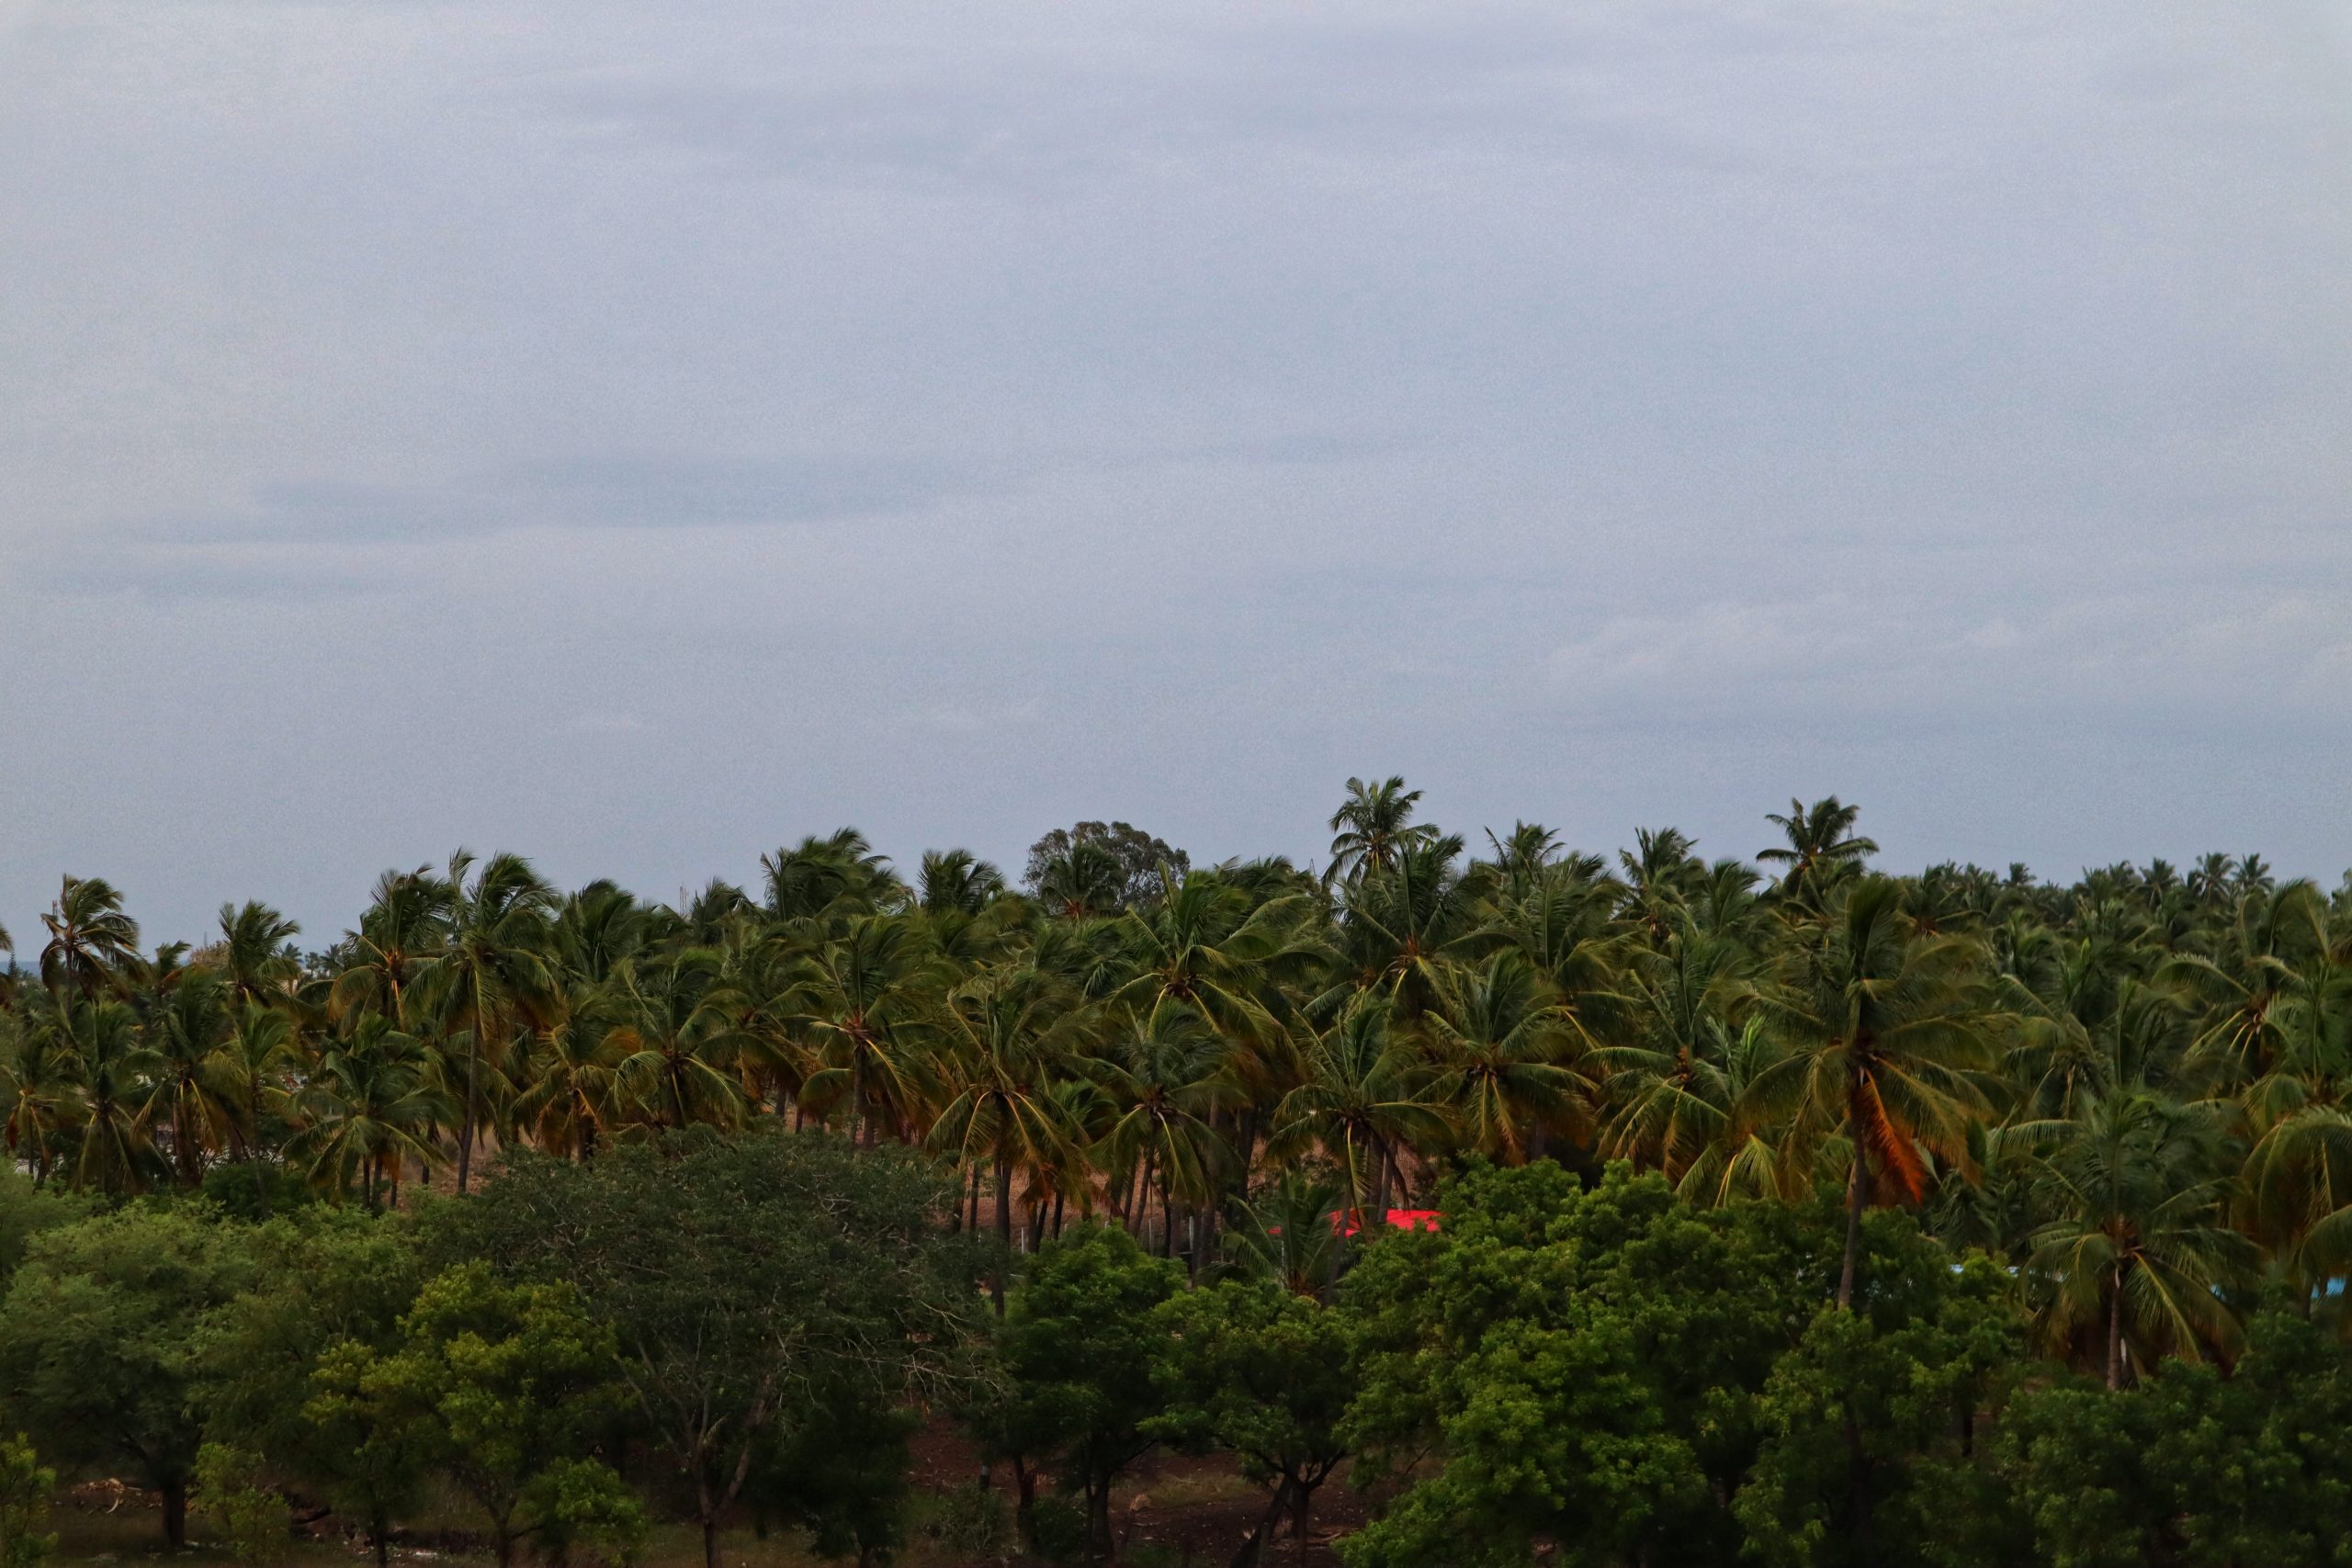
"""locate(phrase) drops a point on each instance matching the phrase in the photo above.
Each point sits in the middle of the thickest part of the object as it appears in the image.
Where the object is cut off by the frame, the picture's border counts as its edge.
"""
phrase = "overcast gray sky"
(640, 435)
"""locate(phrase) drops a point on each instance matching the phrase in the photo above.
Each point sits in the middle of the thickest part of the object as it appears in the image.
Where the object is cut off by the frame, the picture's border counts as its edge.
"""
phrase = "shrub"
(25, 1486)
(251, 1520)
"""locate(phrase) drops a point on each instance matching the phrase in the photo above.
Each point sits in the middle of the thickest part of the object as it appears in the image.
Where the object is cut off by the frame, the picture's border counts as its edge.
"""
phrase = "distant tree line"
(1792, 1211)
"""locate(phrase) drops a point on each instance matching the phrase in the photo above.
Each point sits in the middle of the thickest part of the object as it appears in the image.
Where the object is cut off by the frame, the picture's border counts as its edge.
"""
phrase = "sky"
(641, 435)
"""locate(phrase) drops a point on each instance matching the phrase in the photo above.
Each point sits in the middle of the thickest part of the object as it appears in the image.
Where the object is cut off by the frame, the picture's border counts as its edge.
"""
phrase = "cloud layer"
(636, 437)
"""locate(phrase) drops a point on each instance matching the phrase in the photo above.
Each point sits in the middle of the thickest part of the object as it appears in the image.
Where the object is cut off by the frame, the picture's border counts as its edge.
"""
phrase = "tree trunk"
(1057, 1215)
(1858, 1492)
(1025, 1509)
(466, 1123)
(1253, 1544)
(709, 1542)
(1302, 1498)
(2115, 1327)
(176, 1514)
(379, 1536)
(1098, 1518)
(1003, 1233)
(1857, 1194)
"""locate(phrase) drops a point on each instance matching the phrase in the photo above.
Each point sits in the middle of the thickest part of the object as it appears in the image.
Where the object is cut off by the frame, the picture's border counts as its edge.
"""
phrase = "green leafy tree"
(501, 1386)
(239, 1509)
(1265, 1375)
(331, 1284)
(2189, 1468)
(749, 1285)
(840, 1474)
(1571, 1366)
(1868, 1425)
(1077, 1349)
(103, 1348)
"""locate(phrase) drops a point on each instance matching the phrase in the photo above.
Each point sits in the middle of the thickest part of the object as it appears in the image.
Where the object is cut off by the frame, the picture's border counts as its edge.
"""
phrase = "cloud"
(649, 492)
(1836, 653)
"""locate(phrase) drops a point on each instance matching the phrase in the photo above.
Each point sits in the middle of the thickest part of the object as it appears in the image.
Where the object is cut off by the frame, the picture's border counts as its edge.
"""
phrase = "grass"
(134, 1533)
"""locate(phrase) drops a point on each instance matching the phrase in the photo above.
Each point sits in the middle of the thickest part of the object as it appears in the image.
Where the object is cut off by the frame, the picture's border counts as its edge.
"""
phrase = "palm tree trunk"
(1857, 1194)
(466, 1123)
(2115, 1327)
(1003, 1233)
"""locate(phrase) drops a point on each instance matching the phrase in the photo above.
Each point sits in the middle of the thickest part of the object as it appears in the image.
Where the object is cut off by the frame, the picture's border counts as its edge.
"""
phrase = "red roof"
(1349, 1222)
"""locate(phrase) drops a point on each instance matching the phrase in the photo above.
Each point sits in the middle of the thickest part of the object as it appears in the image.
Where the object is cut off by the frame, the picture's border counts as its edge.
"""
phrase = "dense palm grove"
(1791, 1210)
(2131, 1087)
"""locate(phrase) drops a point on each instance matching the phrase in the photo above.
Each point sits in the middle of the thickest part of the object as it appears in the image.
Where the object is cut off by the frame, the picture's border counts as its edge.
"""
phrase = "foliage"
(1079, 1347)
(2190, 1466)
(249, 1518)
(1265, 1374)
(25, 1488)
(1585, 1363)
(756, 1287)
(102, 1348)
(2128, 1091)
(501, 1387)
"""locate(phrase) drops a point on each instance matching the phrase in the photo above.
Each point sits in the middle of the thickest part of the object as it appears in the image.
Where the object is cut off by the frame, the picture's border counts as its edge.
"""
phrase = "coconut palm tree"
(184, 1090)
(1202, 945)
(956, 880)
(1373, 827)
(491, 979)
(253, 950)
(1661, 873)
(1290, 1233)
(1822, 847)
(1165, 1072)
(114, 1125)
(2138, 1241)
(367, 1112)
(406, 924)
(572, 1094)
(1364, 1103)
(1522, 858)
(2267, 980)
(90, 938)
(596, 927)
(1399, 928)
(1001, 1038)
(678, 1030)
(861, 999)
(1504, 1053)
(1083, 881)
(1885, 1032)
(38, 1079)
(1668, 1085)
(835, 875)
